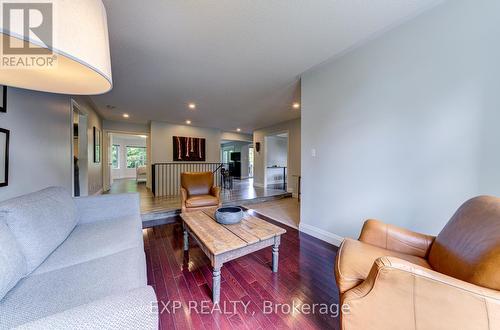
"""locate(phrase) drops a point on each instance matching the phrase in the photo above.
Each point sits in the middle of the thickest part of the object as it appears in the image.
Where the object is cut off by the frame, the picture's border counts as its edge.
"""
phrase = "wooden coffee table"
(223, 243)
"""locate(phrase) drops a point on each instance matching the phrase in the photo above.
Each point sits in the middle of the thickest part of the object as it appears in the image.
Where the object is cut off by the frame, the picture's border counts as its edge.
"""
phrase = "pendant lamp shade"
(58, 46)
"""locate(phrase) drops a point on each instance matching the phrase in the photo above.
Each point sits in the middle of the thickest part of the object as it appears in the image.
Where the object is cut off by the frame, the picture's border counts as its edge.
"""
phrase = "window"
(115, 156)
(136, 156)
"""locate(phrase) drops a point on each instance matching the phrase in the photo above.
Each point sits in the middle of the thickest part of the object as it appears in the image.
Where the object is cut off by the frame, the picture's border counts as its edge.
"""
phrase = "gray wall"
(161, 140)
(40, 141)
(406, 127)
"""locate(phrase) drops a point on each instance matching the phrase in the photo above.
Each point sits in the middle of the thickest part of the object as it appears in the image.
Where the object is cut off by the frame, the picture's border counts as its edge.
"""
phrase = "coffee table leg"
(216, 285)
(186, 239)
(276, 253)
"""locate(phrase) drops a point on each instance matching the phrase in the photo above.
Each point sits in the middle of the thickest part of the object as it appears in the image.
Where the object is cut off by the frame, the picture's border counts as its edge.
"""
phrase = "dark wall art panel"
(189, 149)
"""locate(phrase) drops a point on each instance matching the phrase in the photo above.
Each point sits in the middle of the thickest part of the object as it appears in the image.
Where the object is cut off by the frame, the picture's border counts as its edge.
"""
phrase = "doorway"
(250, 161)
(79, 150)
(276, 161)
(127, 158)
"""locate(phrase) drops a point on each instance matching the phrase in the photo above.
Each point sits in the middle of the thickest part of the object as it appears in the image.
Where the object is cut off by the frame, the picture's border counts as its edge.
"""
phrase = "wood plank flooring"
(183, 281)
(243, 191)
(286, 210)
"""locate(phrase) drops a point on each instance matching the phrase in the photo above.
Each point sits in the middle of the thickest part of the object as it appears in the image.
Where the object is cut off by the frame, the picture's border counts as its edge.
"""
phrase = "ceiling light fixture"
(188, 122)
(192, 106)
(73, 58)
(238, 130)
(296, 105)
(126, 115)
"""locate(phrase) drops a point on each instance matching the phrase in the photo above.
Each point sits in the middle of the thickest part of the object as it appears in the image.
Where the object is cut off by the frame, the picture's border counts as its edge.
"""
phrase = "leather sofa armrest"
(400, 295)
(184, 197)
(215, 191)
(397, 239)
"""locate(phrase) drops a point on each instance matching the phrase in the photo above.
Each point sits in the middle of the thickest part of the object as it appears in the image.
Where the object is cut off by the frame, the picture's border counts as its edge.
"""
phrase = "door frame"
(271, 134)
(107, 159)
(82, 148)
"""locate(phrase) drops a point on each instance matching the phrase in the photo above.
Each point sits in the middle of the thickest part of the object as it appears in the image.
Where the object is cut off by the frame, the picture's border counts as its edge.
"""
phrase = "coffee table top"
(223, 238)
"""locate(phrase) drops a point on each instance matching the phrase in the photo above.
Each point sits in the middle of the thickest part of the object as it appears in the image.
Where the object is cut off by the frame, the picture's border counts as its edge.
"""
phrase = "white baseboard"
(321, 234)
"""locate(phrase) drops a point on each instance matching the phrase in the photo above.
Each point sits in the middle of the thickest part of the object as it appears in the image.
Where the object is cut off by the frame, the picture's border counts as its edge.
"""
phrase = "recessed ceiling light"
(238, 130)
(188, 122)
(126, 115)
(296, 105)
(192, 106)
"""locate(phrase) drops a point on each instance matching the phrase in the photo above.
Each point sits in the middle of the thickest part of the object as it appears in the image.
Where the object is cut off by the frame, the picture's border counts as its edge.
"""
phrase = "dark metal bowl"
(229, 215)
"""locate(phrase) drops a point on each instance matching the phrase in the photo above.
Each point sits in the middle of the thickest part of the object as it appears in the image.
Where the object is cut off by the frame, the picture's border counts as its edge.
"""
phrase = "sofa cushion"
(355, 260)
(95, 240)
(197, 183)
(37, 296)
(202, 201)
(468, 247)
(40, 222)
(12, 262)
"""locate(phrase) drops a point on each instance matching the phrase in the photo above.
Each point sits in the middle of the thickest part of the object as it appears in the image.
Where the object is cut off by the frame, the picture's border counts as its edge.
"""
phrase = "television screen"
(236, 156)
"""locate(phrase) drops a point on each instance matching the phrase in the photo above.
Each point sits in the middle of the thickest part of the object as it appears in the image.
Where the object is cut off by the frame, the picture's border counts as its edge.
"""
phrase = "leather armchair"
(392, 278)
(198, 191)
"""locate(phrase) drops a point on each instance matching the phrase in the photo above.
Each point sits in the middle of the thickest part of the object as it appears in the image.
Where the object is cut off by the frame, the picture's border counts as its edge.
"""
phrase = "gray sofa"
(70, 263)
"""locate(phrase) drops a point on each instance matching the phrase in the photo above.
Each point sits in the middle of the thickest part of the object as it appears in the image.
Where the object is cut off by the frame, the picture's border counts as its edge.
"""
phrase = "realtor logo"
(29, 21)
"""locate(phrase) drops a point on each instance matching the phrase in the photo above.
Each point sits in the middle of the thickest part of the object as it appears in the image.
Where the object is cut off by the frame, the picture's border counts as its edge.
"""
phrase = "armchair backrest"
(468, 247)
(197, 183)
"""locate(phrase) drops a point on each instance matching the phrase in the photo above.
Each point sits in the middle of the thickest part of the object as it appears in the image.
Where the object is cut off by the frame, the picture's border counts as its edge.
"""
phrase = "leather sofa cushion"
(202, 201)
(197, 183)
(468, 247)
(355, 260)
(40, 222)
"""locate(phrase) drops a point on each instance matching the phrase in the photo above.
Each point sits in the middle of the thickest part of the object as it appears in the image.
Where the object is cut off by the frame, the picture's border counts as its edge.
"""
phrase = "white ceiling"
(240, 61)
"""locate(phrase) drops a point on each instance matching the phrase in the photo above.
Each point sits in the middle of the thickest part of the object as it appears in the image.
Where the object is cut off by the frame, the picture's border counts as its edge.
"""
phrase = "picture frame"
(3, 99)
(97, 145)
(189, 149)
(4, 157)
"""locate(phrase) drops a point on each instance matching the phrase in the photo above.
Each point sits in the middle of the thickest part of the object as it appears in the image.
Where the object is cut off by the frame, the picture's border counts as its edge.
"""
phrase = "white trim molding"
(321, 234)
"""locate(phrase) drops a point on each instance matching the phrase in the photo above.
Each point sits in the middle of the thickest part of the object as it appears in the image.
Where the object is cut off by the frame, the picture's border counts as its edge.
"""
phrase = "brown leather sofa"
(198, 191)
(392, 278)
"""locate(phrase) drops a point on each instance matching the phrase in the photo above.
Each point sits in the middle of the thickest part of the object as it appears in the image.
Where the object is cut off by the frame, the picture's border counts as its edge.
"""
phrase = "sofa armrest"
(215, 191)
(136, 309)
(105, 207)
(184, 197)
(397, 239)
(400, 295)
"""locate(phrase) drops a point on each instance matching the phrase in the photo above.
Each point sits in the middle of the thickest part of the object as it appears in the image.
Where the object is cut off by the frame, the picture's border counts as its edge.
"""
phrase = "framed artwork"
(4, 157)
(97, 145)
(188, 149)
(3, 98)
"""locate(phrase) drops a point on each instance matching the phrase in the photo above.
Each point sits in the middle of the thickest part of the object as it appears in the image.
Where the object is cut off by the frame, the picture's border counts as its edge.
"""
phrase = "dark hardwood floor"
(182, 282)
